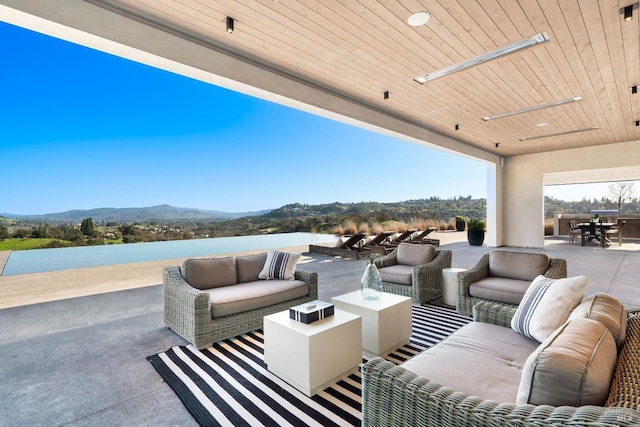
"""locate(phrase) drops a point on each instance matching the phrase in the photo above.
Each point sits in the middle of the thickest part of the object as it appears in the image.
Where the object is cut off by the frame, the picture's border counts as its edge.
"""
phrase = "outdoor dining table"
(603, 226)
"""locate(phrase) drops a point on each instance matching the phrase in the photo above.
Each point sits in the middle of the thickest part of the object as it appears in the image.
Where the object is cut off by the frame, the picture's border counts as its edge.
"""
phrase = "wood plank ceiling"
(360, 49)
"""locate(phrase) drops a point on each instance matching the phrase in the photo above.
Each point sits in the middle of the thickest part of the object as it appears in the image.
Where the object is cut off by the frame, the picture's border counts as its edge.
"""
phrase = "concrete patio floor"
(80, 360)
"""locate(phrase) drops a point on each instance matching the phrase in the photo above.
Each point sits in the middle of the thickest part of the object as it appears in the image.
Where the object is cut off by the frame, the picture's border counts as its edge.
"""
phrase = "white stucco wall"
(523, 186)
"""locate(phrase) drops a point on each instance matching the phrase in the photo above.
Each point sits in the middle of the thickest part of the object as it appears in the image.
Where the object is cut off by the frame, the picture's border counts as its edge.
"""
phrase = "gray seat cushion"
(252, 295)
(500, 289)
(456, 361)
(517, 265)
(398, 273)
(205, 273)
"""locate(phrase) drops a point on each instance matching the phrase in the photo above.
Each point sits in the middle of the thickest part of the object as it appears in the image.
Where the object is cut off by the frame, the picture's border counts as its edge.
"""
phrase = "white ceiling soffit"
(365, 52)
(364, 49)
(629, 173)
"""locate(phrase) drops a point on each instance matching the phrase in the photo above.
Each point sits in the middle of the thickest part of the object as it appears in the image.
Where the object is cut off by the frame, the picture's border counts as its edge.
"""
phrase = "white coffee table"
(312, 356)
(386, 322)
(450, 285)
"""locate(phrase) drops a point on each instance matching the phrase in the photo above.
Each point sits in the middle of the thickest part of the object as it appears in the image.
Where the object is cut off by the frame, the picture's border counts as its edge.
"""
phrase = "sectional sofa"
(582, 373)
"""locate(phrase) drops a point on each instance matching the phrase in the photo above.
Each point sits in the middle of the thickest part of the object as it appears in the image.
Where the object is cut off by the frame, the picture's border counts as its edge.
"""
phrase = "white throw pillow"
(279, 265)
(547, 304)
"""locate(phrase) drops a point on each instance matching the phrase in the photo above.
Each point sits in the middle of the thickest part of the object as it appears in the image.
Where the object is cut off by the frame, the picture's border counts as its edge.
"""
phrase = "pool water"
(39, 260)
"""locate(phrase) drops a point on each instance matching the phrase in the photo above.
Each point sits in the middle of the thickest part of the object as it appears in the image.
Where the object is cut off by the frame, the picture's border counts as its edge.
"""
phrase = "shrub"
(350, 227)
(475, 224)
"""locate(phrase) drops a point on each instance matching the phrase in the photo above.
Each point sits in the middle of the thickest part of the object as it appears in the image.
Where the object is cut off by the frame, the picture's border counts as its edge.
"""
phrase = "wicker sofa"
(395, 395)
(207, 300)
(414, 270)
(503, 276)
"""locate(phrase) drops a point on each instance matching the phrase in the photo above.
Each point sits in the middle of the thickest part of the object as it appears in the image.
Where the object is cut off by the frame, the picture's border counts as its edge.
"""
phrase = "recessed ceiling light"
(542, 124)
(418, 19)
(485, 57)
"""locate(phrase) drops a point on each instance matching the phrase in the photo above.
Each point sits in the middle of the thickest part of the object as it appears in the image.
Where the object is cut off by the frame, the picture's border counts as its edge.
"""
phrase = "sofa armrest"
(394, 396)
(427, 278)
(186, 309)
(494, 312)
(557, 269)
(311, 279)
(387, 260)
(465, 278)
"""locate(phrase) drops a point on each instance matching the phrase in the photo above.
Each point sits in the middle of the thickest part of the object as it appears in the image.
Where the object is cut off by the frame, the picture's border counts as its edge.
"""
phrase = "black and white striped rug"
(229, 384)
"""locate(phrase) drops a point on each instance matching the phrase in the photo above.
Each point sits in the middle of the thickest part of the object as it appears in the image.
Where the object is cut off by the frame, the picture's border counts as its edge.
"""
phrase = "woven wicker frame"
(393, 396)
(426, 283)
(188, 313)
(465, 302)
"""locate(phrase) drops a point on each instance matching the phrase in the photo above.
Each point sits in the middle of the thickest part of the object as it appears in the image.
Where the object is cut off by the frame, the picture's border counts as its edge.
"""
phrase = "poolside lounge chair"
(347, 247)
(402, 237)
(353, 242)
(421, 237)
(379, 244)
(379, 239)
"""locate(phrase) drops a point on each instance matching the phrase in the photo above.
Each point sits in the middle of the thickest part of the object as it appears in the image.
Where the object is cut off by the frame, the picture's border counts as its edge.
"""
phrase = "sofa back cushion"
(207, 273)
(517, 265)
(607, 310)
(572, 367)
(414, 254)
(249, 266)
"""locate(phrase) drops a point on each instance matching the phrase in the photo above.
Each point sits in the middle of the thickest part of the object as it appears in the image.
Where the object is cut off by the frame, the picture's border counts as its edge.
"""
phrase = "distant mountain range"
(153, 213)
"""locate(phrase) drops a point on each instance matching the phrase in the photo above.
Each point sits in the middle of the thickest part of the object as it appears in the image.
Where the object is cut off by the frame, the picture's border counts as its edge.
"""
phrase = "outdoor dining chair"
(616, 229)
(574, 231)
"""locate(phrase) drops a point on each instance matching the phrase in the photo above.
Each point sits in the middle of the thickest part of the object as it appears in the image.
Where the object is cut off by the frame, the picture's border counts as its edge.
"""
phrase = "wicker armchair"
(465, 302)
(394, 396)
(187, 310)
(426, 279)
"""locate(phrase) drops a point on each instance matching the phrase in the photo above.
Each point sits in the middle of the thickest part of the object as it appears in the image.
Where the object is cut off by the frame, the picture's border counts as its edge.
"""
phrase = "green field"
(31, 243)
(21, 244)
(35, 243)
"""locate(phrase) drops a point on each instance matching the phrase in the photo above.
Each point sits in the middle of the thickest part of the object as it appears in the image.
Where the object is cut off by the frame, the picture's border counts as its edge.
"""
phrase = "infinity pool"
(39, 260)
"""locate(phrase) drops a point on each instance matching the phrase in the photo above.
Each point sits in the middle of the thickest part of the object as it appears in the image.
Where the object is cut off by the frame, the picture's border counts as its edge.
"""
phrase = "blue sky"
(82, 129)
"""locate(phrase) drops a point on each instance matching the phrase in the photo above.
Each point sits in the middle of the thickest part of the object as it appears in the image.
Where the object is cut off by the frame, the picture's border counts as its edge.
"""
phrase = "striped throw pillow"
(279, 265)
(547, 304)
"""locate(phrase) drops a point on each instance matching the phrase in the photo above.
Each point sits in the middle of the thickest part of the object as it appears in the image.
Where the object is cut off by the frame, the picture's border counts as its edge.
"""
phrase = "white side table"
(386, 322)
(312, 356)
(450, 285)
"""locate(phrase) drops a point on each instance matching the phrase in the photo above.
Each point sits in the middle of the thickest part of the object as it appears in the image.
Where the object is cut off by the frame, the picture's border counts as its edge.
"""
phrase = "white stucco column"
(494, 204)
(523, 194)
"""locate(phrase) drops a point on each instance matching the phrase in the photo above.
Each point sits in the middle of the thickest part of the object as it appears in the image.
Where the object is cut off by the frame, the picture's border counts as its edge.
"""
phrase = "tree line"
(295, 217)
